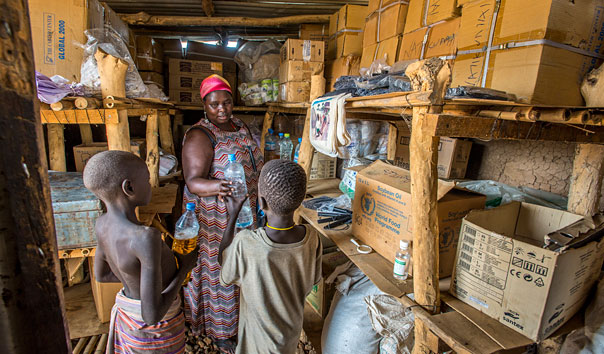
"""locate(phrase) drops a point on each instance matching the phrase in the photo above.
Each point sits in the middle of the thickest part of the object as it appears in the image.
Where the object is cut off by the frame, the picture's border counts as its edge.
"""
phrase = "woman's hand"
(234, 204)
(186, 262)
(221, 188)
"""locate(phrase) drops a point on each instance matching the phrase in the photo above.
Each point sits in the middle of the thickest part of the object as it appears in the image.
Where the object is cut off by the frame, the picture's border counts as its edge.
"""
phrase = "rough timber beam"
(143, 18)
(208, 7)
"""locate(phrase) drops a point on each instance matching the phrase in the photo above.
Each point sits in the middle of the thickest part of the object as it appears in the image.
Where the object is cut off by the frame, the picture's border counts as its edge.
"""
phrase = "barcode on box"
(465, 256)
(466, 247)
(464, 265)
(470, 231)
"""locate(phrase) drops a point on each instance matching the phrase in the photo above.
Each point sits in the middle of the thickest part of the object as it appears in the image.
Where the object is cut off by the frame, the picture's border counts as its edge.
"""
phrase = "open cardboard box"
(508, 252)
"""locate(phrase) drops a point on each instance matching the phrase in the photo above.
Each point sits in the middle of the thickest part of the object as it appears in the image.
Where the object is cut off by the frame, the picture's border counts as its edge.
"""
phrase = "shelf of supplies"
(235, 108)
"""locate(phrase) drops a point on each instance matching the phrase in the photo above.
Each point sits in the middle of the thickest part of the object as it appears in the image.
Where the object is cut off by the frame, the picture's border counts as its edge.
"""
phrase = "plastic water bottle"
(187, 229)
(270, 146)
(297, 152)
(401, 261)
(286, 148)
(278, 150)
(236, 175)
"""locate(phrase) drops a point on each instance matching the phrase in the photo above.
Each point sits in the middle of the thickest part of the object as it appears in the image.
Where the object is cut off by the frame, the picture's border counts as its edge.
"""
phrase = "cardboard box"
(348, 65)
(191, 97)
(382, 212)
(314, 32)
(151, 77)
(186, 81)
(145, 63)
(348, 17)
(323, 166)
(440, 41)
(390, 19)
(54, 29)
(298, 49)
(501, 259)
(103, 293)
(321, 294)
(453, 156)
(298, 70)
(538, 74)
(387, 49)
(423, 13)
(149, 47)
(375, 5)
(345, 43)
(294, 91)
(82, 153)
(194, 67)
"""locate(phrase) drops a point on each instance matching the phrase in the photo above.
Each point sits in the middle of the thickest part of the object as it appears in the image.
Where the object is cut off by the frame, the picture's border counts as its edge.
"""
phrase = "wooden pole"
(112, 71)
(61, 105)
(32, 308)
(165, 133)
(86, 133)
(427, 75)
(306, 149)
(586, 180)
(266, 125)
(142, 18)
(153, 148)
(56, 147)
(208, 7)
(87, 103)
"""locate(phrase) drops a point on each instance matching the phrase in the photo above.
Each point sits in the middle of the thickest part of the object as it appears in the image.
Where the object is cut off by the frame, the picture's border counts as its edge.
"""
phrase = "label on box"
(306, 50)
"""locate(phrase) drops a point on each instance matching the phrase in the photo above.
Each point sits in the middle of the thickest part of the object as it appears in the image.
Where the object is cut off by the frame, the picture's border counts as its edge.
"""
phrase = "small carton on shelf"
(323, 166)
(294, 91)
(298, 49)
(503, 269)
(190, 97)
(299, 70)
(314, 32)
(194, 67)
(453, 156)
(382, 214)
(321, 294)
(83, 152)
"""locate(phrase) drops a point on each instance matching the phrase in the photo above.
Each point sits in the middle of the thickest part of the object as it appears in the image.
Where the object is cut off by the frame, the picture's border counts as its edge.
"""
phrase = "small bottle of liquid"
(286, 148)
(401, 262)
(187, 228)
(270, 146)
(297, 151)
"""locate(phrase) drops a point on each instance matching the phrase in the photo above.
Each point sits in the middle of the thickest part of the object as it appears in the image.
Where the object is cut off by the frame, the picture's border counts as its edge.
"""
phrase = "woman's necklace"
(280, 228)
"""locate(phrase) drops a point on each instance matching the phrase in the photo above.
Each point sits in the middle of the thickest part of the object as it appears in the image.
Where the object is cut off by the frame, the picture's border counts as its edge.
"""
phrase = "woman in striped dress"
(211, 308)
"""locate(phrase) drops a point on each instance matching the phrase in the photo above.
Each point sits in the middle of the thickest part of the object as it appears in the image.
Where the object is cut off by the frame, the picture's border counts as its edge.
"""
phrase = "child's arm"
(102, 271)
(233, 208)
(156, 301)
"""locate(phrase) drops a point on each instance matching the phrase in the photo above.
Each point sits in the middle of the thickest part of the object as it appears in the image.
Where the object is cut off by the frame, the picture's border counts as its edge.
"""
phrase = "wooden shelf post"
(266, 125)
(586, 180)
(306, 149)
(56, 147)
(112, 71)
(428, 75)
(165, 132)
(153, 148)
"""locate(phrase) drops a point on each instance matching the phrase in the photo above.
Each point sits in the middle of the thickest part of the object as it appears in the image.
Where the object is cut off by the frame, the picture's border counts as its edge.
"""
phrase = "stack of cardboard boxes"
(345, 44)
(314, 32)
(150, 60)
(299, 61)
(383, 26)
(186, 77)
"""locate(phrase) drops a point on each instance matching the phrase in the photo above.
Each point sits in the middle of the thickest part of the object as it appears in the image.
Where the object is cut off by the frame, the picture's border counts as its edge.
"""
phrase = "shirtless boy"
(146, 316)
(275, 266)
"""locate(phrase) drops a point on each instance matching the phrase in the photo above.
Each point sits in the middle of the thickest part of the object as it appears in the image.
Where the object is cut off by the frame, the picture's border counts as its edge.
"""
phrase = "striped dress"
(211, 308)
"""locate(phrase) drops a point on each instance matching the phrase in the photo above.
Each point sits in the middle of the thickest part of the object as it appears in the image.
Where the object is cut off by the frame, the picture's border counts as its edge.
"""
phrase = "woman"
(211, 308)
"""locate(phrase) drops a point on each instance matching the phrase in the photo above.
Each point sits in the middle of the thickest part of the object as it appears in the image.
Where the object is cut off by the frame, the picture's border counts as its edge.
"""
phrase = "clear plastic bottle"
(286, 148)
(234, 172)
(297, 152)
(270, 146)
(401, 262)
(187, 229)
(278, 149)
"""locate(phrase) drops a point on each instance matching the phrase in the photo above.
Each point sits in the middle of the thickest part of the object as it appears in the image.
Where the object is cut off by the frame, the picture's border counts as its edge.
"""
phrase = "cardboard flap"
(399, 178)
(575, 234)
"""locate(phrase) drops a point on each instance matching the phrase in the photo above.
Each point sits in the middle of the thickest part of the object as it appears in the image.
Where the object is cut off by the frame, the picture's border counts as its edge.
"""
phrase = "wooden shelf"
(235, 109)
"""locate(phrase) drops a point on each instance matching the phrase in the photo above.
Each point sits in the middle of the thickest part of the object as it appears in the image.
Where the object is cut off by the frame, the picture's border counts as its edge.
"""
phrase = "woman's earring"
(205, 115)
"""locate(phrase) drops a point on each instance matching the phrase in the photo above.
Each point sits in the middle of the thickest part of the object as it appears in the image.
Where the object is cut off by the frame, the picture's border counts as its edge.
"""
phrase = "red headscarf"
(214, 83)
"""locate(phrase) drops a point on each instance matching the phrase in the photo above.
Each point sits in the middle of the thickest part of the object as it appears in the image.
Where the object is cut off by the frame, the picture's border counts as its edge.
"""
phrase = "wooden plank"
(91, 345)
(380, 97)
(56, 147)
(80, 116)
(143, 18)
(307, 151)
(492, 128)
(102, 346)
(504, 336)
(404, 99)
(462, 335)
(586, 179)
(165, 133)
(376, 267)
(266, 125)
(392, 140)
(77, 253)
(153, 148)
(81, 314)
(86, 133)
(75, 271)
(32, 300)
(80, 346)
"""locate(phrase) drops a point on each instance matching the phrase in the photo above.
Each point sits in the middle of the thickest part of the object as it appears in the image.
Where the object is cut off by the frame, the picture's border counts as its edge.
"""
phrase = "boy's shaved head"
(105, 172)
(283, 185)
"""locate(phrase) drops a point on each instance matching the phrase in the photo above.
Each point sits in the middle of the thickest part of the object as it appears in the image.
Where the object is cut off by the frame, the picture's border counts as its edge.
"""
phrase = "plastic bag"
(54, 89)
(349, 178)
(250, 53)
(113, 44)
(347, 327)
(499, 193)
(378, 66)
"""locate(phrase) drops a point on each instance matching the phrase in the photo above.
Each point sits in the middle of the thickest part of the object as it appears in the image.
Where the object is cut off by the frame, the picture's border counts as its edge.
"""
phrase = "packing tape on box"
(148, 58)
(335, 35)
(379, 14)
